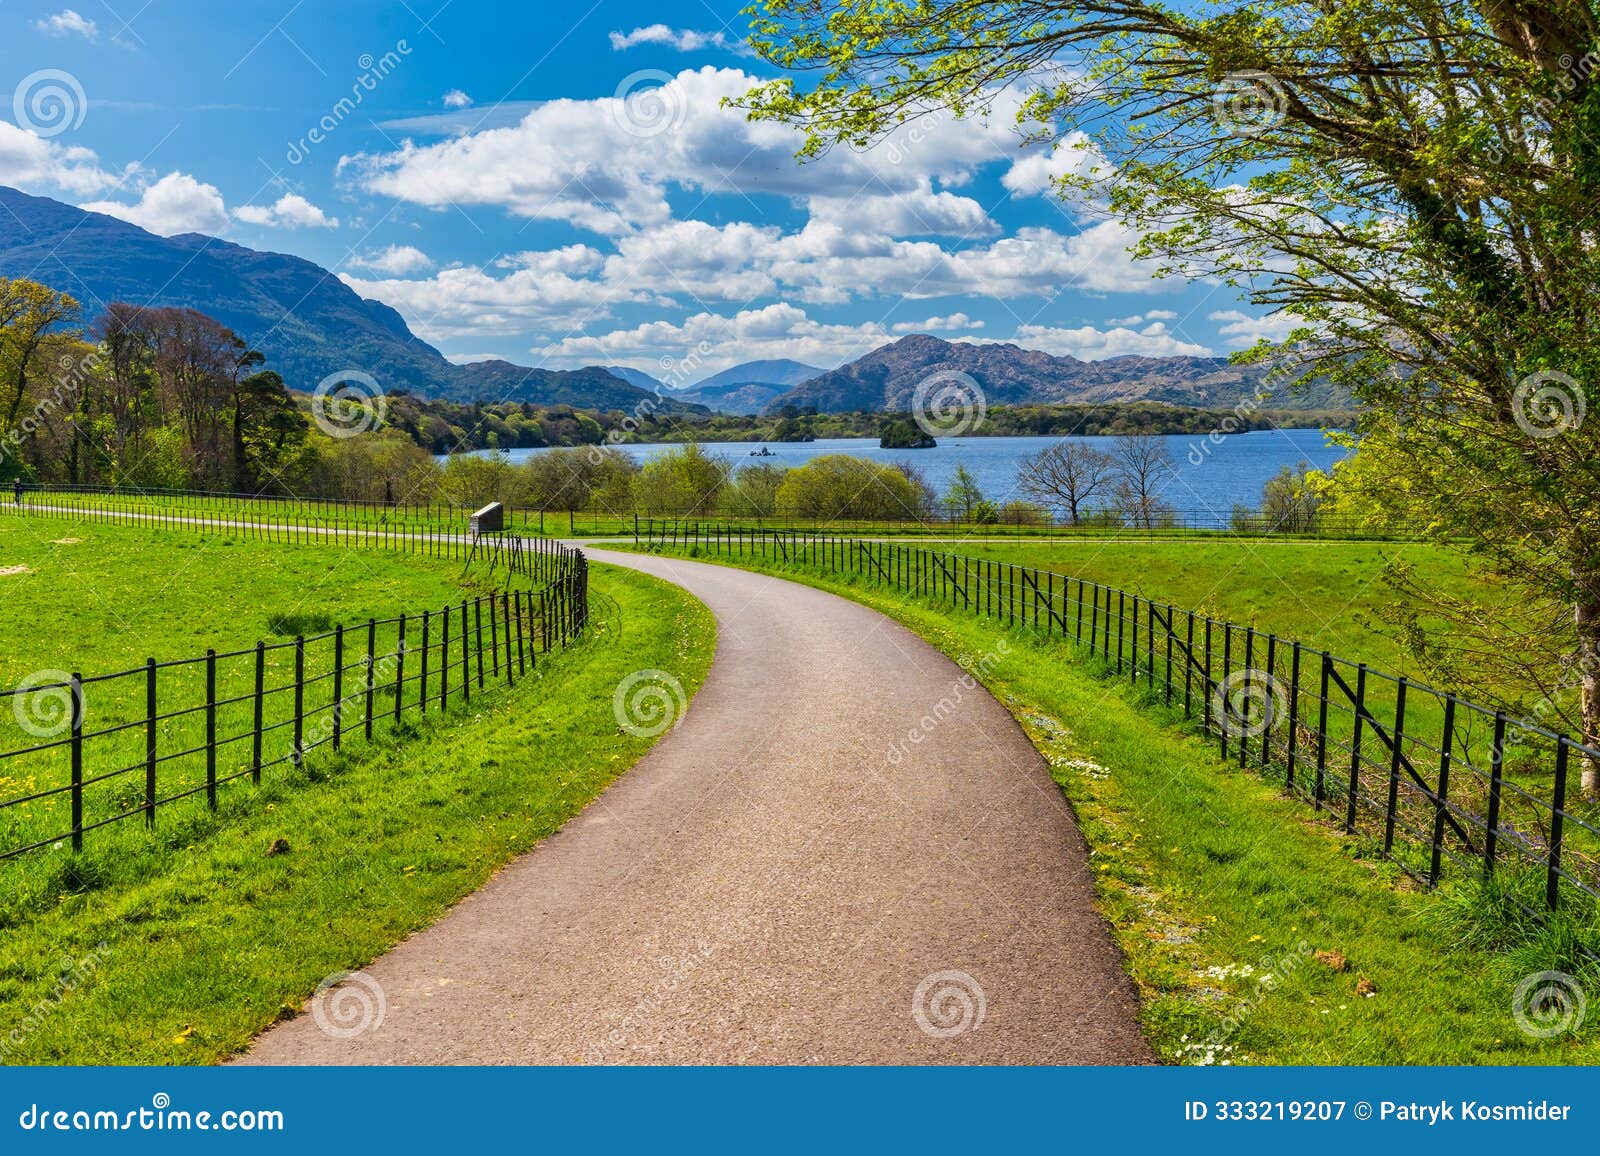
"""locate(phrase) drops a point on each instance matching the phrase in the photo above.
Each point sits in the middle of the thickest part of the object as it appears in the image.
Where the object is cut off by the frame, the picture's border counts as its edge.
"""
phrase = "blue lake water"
(1209, 476)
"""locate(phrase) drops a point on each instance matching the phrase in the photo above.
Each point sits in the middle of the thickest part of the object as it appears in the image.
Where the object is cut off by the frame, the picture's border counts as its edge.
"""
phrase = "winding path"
(768, 886)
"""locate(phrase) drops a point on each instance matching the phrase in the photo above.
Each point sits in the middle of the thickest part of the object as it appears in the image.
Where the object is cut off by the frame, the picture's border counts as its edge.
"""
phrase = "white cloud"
(1039, 172)
(1242, 330)
(954, 321)
(290, 211)
(680, 39)
(1091, 344)
(30, 162)
(67, 22)
(608, 164)
(177, 203)
(395, 260)
(455, 98)
(717, 341)
(1143, 318)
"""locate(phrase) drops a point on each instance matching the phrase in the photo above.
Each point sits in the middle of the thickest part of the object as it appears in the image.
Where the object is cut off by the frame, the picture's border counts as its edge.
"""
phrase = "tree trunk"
(1586, 615)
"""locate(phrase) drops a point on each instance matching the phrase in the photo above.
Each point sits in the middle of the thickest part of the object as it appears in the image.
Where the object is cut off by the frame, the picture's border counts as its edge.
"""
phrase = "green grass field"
(1222, 890)
(179, 946)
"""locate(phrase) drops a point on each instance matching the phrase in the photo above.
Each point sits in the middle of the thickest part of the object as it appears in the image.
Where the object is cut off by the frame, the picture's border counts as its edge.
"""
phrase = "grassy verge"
(182, 949)
(1256, 933)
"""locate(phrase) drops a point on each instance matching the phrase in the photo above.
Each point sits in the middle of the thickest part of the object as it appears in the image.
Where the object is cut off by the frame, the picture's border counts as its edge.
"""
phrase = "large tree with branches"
(1414, 181)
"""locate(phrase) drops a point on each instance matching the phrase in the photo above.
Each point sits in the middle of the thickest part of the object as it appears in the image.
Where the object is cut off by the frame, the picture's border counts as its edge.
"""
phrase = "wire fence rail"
(85, 752)
(397, 519)
(1433, 782)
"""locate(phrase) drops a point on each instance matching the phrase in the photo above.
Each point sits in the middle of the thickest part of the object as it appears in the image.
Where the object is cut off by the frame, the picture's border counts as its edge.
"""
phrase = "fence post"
(1133, 643)
(259, 699)
(1249, 665)
(77, 761)
(1557, 819)
(1322, 732)
(1122, 617)
(506, 608)
(1355, 750)
(1496, 772)
(522, 656)
(211, 728)
(494, 637)
(299, 697)
(1395, 737)
(1227, 665)
(1188, 666)
(1294, 714)
(400, 669)
(422, 686)
(150, 742)
(338, 684)
(372, 672)
(477, 633)
(466, 657)
(444, 658)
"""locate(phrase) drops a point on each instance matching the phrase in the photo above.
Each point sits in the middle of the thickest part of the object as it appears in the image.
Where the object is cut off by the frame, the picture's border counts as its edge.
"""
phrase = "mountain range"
(886, 379)
(309, 324)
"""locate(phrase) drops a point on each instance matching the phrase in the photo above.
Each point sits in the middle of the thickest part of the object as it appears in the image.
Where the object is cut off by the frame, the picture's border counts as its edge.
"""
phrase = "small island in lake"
(902, 434)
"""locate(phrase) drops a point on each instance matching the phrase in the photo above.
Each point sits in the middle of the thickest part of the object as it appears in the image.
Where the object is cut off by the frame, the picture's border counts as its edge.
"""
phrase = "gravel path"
(771, 885)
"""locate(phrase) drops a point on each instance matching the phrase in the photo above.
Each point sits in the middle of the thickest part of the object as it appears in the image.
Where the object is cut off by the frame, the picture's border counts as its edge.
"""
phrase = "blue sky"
(558, 185)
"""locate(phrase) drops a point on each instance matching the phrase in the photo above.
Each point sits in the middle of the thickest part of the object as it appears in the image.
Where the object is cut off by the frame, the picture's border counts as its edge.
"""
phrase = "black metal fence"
(1435, 782)
(132, 744)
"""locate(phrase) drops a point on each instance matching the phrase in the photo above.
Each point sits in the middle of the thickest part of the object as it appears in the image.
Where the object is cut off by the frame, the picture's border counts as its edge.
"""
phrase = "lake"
(1208, 479)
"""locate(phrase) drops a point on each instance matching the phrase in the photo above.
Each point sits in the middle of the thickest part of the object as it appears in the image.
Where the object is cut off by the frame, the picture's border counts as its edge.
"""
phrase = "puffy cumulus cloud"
(912, 213)
(1143, 318)
(679, 39)
(609, 164)
(394, 260)
(29, 161)
(1090, 344)
(1241, 329)
(717, 341)
(290, 211)
(954, 321)
(1039, 172)
(68, 22)
(177, 203)
(455, 98)
(544, 291)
